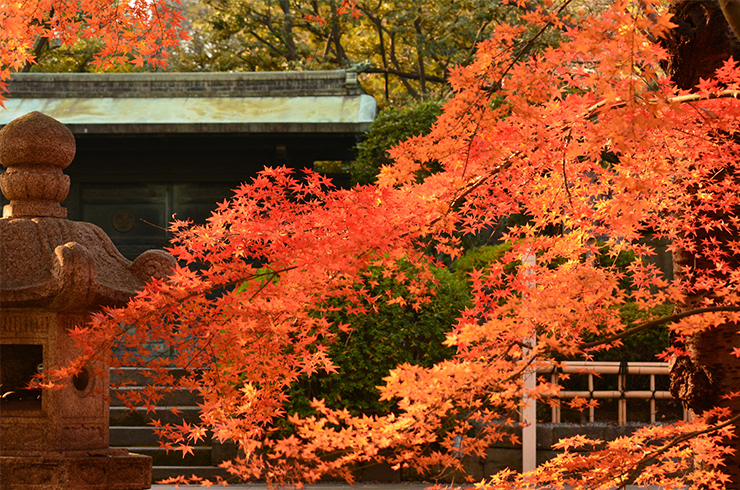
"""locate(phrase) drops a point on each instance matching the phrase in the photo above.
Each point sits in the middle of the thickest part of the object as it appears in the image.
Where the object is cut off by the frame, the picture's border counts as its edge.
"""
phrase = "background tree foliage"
(405, 50)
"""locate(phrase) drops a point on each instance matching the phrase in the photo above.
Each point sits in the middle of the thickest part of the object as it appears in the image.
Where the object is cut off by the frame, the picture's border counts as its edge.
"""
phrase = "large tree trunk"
(700, 44)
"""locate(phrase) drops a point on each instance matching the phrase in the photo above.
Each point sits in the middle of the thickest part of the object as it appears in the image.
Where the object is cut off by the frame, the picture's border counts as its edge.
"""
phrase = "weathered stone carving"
(53, 274)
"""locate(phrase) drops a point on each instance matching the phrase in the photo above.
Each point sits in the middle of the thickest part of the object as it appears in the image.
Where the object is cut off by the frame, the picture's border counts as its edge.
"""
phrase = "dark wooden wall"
(131, 186)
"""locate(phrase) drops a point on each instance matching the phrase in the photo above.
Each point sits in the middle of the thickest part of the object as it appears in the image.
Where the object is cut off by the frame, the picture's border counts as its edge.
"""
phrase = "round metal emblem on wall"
(123, 221)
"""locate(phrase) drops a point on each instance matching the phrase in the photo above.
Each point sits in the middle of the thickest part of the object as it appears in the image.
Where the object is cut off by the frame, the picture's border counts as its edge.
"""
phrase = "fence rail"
(621, 394)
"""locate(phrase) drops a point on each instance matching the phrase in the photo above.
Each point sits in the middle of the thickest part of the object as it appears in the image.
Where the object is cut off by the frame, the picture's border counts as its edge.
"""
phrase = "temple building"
(150, 145)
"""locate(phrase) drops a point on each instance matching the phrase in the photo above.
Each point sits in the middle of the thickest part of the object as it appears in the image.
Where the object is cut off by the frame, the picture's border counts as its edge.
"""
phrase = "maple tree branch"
(566, 185)
(590, 113)
(672, 443)
(657, 322)
(601, 107)
(475, 184)
(123, 328)
(531, 41)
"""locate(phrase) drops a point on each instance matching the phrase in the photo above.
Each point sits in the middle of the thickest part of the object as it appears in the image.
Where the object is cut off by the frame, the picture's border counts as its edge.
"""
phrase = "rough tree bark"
(700, 44)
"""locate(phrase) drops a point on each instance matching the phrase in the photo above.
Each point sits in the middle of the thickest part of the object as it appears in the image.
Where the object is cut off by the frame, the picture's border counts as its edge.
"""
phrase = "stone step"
(131, 429)
(124, 417)
(175, 398)
(135, 376)
(159, 473)
(200, 456)
(139, 437)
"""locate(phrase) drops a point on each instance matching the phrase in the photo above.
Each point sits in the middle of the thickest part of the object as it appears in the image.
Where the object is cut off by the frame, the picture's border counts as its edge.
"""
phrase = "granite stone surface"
(53, 274)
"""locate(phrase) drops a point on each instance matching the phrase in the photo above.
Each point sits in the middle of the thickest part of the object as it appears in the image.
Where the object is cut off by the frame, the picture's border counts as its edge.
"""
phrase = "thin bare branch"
(656, 323)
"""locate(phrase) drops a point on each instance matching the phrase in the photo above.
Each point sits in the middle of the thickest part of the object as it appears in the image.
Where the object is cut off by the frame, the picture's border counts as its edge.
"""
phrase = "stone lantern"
(53, 274)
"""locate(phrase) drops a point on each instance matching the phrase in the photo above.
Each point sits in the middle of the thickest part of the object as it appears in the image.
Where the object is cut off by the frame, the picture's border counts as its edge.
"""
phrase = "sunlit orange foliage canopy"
(520, 135)
(138, 31)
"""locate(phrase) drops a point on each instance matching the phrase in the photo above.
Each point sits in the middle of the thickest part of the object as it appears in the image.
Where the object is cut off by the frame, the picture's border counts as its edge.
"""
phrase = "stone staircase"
(132, 431)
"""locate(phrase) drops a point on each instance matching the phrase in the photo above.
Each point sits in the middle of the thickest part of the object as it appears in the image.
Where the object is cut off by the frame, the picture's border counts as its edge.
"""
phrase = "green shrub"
(644, 345)
(381, 340)
(479, 258)
(392, 126)
(396, 334)
(639, 347)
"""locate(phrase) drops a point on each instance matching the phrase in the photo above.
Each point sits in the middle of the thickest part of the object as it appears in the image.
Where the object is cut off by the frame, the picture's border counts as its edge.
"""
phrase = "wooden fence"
(593, 369)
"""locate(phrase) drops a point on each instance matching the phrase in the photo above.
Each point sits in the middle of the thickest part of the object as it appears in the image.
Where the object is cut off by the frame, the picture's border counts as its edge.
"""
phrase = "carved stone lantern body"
(53, 274)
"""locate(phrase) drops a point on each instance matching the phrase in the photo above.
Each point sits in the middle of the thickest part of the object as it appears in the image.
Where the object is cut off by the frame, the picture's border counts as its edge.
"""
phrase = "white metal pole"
(529, 405)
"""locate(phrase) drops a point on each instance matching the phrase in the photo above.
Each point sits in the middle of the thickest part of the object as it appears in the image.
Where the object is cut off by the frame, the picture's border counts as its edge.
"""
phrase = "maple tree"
(135, 32)
(589, 140)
